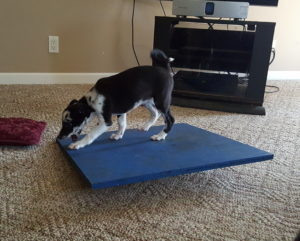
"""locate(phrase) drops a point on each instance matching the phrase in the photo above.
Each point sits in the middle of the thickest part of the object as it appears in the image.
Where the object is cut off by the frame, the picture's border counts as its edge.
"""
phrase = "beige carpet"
(44, 198)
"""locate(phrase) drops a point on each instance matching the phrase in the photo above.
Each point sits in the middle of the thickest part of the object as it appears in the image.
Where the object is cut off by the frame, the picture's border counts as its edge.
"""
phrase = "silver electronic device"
(206, 8)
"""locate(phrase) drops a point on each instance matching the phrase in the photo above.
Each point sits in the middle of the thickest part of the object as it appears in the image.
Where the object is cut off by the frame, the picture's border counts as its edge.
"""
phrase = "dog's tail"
(159, 58)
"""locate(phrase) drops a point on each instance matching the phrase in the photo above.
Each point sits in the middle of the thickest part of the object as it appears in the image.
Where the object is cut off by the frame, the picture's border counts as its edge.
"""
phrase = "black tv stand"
(217, 68)
(233, 107)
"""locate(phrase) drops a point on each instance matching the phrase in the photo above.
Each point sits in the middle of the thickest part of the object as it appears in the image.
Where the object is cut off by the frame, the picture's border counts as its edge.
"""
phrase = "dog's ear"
(73, 102)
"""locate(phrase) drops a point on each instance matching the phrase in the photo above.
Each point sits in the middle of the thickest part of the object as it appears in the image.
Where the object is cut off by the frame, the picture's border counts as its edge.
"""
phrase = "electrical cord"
(132, 34)
(273, 51)
(274, 87)
(162, 7)
(210, 25)
(132, 29)
(273, 57)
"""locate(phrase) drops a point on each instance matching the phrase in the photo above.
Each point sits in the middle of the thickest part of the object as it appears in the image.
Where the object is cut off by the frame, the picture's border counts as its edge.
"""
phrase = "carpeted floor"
(44, 198)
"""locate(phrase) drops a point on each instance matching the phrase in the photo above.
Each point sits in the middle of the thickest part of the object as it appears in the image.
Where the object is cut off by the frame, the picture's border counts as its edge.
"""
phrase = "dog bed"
(20, 131)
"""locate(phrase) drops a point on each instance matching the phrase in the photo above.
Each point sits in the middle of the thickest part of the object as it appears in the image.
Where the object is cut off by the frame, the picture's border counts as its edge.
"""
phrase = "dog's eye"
(66, 116)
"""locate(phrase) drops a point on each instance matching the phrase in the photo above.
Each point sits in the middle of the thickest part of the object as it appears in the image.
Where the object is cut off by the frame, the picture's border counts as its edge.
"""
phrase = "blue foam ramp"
(135, 158)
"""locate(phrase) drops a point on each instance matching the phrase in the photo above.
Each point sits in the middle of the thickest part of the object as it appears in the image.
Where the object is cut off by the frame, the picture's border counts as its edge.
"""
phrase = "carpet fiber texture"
(43, 197)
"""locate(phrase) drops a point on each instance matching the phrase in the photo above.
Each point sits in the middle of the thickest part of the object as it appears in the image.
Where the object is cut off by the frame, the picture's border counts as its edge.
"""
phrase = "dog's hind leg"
(169, 121)
(163, 105)
(154, 116)
(122, 122)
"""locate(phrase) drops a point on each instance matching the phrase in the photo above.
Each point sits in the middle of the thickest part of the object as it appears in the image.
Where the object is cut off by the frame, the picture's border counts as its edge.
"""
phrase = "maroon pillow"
(20, 131)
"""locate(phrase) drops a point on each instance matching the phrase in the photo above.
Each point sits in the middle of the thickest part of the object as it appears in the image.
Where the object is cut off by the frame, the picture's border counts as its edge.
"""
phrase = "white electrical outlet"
(53, 44)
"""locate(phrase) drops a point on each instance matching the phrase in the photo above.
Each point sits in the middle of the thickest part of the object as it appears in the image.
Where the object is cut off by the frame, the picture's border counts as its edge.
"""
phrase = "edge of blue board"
(138, 138)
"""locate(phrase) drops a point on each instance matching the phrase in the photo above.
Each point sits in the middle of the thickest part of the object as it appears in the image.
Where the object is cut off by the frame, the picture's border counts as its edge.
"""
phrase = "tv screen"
(252, 2)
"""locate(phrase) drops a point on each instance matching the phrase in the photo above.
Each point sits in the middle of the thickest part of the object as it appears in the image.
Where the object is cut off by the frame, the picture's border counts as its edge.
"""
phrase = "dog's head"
(74, 118)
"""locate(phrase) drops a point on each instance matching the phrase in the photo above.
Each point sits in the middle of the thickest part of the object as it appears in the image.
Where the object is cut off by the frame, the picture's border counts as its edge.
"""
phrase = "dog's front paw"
(116, 136)
(76, 145)
(161, 136)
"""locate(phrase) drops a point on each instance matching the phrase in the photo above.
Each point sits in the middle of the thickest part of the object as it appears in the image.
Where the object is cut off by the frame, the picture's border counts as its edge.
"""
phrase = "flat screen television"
(253, 2)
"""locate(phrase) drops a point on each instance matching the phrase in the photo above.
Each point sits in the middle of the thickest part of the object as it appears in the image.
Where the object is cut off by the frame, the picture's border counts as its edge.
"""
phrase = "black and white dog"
(149, 86)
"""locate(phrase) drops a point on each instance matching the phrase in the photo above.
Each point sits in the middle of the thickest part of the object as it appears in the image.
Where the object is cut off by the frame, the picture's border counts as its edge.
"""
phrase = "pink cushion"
(20, 131)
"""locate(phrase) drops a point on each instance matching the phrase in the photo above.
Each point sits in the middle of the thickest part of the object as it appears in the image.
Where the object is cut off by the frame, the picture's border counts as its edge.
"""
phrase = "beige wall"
(95, 35)
(287, 34)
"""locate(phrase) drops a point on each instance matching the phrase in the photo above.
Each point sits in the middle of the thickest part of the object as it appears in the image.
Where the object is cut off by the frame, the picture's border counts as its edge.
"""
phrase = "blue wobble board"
(135, 158)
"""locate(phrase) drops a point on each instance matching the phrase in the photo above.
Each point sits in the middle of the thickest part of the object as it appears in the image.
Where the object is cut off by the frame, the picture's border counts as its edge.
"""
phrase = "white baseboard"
(284, 75)
(51, 78)
(91, 78)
